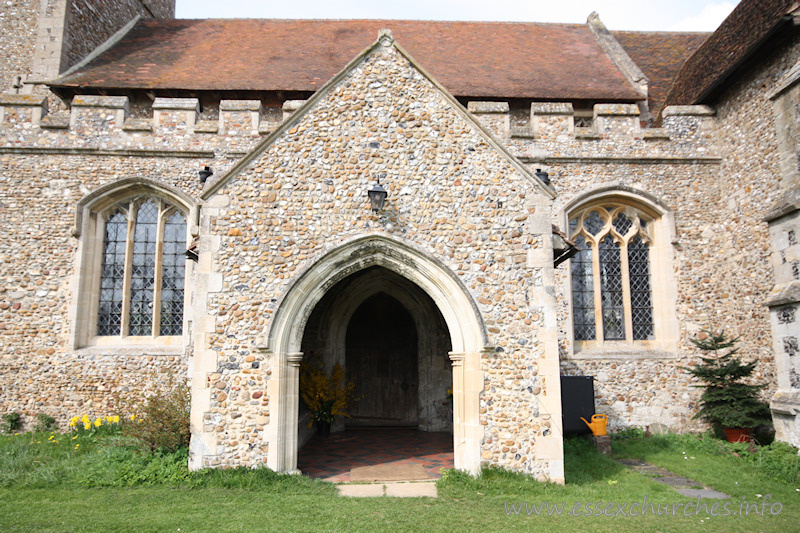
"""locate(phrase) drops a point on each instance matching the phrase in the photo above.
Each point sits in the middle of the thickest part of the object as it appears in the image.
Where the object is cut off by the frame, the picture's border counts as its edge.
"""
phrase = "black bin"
(577, 400)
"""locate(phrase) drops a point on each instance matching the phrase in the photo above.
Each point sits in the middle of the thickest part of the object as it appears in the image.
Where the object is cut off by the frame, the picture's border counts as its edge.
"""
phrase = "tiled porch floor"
(331, 457)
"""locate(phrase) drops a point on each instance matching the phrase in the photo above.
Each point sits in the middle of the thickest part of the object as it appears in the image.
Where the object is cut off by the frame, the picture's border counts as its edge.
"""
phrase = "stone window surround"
(85, 283)
(663, 287)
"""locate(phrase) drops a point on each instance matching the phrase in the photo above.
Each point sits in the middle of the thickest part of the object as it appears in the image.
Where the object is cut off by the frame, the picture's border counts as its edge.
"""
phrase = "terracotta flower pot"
(737, 434)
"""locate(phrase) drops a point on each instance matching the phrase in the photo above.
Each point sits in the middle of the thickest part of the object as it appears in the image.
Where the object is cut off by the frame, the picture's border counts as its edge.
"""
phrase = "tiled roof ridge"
(661, 32)
(471, 58)
(425, 21)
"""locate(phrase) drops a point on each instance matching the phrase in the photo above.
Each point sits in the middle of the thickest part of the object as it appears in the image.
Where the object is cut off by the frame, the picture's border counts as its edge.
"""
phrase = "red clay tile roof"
(737, 36)
(660, 55)
(481, 59)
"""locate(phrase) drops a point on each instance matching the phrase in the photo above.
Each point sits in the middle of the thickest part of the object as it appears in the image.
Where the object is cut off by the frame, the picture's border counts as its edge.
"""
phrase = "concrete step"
(421, 489)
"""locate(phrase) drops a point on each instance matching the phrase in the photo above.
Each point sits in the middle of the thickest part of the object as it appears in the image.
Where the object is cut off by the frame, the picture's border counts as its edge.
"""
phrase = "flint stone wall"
(699, 165)
(452, 197)
(18, 26)
(723, 274)
(45, 170)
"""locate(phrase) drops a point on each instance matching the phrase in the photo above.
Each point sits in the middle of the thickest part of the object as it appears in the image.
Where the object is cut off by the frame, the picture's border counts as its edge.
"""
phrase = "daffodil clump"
(83, 425)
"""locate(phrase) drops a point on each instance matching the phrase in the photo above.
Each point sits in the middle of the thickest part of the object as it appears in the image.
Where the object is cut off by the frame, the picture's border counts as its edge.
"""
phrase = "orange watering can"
(597, 425)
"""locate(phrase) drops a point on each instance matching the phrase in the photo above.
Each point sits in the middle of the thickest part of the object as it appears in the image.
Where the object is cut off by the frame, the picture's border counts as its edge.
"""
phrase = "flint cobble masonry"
(276, 208)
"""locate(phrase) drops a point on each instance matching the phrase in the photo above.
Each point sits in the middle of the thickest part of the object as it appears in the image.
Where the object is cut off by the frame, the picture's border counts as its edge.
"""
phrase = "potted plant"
(326, 395)
(728, 402)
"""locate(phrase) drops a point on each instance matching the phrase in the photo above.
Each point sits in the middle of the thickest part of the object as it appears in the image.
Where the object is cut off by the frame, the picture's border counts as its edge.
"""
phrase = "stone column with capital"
(283, 390)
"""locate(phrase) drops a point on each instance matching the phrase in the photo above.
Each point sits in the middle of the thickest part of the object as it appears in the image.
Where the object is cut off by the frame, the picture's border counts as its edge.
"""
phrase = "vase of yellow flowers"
(326, 395)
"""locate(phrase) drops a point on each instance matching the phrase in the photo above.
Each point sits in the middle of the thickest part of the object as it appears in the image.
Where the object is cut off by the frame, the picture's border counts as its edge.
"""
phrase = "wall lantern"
(377, 195)
(205, 174)
(191, 252)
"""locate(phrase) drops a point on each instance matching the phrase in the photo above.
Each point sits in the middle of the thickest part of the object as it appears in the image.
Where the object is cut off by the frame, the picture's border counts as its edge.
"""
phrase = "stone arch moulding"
(363, 289)
(629, 194)
(465, 325)
(88, 231)
(118, 190)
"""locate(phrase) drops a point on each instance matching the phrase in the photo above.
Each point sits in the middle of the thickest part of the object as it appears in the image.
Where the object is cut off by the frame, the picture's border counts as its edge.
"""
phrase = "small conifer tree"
(727, 401)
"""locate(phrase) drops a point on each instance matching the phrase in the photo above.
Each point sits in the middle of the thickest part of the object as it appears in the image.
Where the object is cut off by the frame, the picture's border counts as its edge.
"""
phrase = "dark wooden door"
(381, 358)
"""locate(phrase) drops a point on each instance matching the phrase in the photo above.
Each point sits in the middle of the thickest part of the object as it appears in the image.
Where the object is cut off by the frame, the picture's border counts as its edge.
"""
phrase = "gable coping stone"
(188, 104)
(110, 102)
(621, 59)
(551, 108)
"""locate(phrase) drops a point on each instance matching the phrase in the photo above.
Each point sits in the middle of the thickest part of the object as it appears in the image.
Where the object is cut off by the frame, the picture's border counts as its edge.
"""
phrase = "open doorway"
(394, 345)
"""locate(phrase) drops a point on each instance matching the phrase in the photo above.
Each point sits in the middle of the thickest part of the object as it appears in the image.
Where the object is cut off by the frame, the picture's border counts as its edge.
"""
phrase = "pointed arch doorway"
(395, 346)
(316, 312)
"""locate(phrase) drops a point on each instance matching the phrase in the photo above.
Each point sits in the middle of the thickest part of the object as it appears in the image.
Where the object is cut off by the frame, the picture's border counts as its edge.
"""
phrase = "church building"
(459, 214)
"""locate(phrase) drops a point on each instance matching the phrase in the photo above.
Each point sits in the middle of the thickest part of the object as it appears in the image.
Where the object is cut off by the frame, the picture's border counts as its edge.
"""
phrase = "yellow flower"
(133, 417)
(76, 446)
(87, 427)
(116, 419)
(51, 437)
(75, 437)
(98, 422)
(85, 419)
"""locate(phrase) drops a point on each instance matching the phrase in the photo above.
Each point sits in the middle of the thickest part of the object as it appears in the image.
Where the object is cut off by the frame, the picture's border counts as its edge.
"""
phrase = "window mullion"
(159, 272)
(126, 284)
(598, 294)
(626, 291)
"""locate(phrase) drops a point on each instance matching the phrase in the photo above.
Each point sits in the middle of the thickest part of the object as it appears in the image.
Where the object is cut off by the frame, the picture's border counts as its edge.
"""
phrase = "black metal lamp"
(205, 174)
(377, 196)
(542, 175)
(191, 252)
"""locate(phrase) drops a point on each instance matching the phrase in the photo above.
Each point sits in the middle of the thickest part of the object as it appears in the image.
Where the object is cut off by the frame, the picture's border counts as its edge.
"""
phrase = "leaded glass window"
(109, 321)
(583, 292)
(173, 272)
(143, 270)
(641, 301)
(611, 288)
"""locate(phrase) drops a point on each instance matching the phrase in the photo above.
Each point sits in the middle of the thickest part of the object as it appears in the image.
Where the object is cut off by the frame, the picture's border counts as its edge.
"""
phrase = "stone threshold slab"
(682, 485)
(389, 472)
(425, 489)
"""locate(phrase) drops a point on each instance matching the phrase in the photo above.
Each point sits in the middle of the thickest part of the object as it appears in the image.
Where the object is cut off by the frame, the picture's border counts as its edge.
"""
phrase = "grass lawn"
(106, 485)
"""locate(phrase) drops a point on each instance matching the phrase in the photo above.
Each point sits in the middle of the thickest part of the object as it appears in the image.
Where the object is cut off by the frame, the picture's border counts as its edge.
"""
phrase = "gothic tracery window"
(611, 287)
(143, 269)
